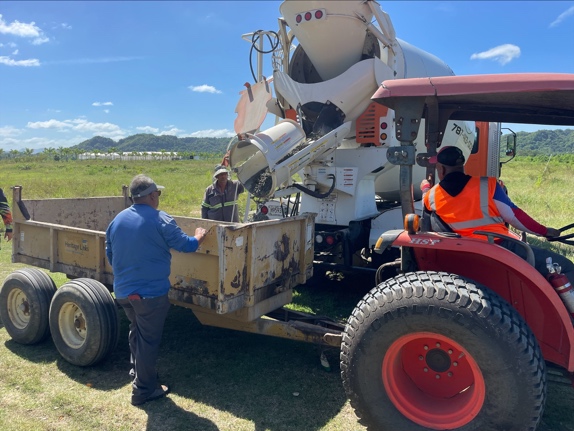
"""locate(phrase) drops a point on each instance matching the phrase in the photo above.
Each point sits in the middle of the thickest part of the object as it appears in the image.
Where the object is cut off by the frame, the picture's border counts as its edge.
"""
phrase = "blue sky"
(72, 70)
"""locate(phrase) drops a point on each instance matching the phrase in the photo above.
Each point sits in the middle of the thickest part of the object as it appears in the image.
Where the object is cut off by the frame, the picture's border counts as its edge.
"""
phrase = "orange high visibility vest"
(473, 209)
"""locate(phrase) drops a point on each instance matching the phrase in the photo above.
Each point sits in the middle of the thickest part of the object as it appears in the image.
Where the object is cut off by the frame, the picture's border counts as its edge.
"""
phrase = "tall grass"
(185, 180)
(221, 380)
(542, 187)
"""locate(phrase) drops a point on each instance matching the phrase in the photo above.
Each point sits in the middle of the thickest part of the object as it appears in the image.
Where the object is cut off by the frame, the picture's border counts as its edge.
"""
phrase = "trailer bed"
(246, 269)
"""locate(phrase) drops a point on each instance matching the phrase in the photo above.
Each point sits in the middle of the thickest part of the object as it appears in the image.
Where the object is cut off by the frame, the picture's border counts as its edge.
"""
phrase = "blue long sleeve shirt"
(138, 243)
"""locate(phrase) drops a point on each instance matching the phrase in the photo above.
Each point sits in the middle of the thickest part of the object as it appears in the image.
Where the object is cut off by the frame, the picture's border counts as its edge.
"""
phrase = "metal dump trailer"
(240, 277)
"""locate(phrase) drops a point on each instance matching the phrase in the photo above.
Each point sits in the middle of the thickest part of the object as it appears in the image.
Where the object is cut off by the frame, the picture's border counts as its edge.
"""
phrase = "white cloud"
(204, 89)
(502, 53)
(97, 128)
(102, 104)
(9, 131)
(21, 29)
(7, 143)
(562, 17)
(173, 131)
(41, 142)
(147, 129)
(17, 144)
(107, 111)
(212, 133)
(50, 124)
(17, 28)
(40, 40)
(79, 125)
(25, 63)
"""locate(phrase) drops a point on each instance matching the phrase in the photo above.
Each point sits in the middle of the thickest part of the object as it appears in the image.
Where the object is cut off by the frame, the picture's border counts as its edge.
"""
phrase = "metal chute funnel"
(255, 157)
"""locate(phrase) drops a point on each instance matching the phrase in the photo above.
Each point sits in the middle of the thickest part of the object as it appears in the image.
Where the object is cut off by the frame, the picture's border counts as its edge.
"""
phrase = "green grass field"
(221, 379)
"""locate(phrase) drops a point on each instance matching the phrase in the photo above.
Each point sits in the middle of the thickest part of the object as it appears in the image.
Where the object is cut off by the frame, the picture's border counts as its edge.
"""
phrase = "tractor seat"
(514, 245)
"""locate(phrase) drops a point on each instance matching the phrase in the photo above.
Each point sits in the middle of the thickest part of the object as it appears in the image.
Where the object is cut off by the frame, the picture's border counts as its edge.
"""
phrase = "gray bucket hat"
(220, 169)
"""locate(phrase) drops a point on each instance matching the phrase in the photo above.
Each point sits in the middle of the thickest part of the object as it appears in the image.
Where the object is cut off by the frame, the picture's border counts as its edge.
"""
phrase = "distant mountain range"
(148, 142)
(533, 143)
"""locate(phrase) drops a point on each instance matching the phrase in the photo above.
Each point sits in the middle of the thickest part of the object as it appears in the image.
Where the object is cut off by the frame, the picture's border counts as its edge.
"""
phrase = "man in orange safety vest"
(466, 204)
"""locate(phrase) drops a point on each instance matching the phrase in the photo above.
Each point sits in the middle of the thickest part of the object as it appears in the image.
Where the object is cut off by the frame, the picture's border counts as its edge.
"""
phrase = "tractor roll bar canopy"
(532, 98)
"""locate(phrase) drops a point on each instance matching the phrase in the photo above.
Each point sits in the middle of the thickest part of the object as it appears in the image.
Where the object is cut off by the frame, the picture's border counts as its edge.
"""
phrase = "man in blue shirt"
(138, 243)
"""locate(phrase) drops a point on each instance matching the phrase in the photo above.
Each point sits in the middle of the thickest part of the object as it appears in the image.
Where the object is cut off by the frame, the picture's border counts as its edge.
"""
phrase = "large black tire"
(84, 322)
(24, 305)
(431, 350)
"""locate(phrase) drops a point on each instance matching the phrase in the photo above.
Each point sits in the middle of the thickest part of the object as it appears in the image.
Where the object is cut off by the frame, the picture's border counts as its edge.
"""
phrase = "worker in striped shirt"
(220, 198)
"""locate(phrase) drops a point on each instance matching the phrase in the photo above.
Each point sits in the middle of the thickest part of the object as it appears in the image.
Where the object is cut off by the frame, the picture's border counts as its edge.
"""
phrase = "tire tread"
(487, 305)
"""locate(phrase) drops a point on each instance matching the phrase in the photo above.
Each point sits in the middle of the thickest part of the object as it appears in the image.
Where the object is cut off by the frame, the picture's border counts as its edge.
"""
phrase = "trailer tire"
(84, 321)
(430, 350)
(25, 303)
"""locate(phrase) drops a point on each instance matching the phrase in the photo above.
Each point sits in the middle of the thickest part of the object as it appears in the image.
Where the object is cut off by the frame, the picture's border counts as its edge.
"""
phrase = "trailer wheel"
(24, 305)
(431, 350)
(84, 321)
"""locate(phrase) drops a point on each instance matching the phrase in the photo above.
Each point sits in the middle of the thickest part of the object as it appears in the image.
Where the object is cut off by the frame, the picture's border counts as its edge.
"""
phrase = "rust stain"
(282, 248)
(240, 280)
(192, 285)
(236, 282)
(293, 265)
(245, 284)
(189, 298)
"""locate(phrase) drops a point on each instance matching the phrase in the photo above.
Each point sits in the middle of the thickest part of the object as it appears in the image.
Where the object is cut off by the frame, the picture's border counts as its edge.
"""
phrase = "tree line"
(541, 142)
(545, 142)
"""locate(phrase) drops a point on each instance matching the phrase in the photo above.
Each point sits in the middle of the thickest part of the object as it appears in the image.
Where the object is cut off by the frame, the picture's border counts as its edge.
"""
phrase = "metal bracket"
(403, 155)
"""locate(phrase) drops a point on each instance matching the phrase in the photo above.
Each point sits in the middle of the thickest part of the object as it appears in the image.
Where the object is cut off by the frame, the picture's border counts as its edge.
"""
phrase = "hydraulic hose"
(314, 193)
(254, 39)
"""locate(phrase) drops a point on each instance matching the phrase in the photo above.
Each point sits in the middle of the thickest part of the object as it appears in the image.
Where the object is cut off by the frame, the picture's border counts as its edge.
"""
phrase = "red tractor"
(460, 339)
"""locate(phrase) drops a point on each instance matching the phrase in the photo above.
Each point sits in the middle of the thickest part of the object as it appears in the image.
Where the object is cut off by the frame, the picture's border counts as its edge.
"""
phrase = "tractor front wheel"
(431, 350)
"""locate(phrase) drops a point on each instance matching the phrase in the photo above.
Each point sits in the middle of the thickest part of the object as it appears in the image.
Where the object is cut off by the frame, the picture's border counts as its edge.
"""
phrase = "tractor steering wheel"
(565, 239)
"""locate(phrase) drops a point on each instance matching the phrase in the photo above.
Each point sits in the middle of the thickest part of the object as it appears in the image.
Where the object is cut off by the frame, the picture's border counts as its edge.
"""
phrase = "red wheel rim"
(433, 381)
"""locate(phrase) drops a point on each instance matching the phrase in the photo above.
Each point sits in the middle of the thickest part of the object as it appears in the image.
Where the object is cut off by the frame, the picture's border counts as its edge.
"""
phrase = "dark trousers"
(147, 317)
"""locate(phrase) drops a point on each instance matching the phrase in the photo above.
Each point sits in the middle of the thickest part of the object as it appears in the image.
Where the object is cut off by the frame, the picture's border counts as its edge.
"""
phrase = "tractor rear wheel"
(431, 350)
(84, 321)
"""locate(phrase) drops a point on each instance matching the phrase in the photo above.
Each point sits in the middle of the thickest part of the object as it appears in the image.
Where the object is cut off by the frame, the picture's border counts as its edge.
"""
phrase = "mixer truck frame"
(454, 341)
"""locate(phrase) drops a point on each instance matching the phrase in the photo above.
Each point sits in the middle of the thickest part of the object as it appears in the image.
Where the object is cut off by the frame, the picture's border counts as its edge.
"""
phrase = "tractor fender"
(507, 274)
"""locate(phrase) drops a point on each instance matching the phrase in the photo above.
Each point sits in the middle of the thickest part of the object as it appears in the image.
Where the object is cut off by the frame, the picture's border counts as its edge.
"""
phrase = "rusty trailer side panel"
(241, 266)
(65, 235)
(241, 270)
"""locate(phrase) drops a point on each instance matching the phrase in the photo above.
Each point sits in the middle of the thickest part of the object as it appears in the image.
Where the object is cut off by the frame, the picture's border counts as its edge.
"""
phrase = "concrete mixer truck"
(332, 150)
